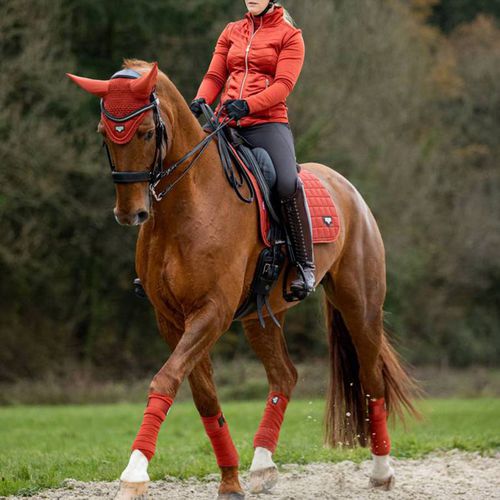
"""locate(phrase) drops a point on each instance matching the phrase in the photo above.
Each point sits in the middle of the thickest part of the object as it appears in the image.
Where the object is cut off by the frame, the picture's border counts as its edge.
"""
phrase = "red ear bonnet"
(121, 96)
(96, 87)
(145, 85)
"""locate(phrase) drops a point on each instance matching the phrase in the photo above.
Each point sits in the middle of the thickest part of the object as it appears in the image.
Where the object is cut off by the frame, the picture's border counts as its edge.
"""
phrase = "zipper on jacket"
(254, 32)
(267, 83)
(227, 83)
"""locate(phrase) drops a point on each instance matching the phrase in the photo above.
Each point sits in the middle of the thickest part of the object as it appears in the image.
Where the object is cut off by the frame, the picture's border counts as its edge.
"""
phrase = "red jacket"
(258, 59)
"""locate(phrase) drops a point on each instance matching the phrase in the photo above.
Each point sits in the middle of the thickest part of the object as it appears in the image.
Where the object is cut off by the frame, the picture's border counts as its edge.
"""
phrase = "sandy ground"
(439, 476)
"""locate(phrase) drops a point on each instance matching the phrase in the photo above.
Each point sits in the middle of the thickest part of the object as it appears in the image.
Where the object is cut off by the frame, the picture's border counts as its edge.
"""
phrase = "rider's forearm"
(268, 98)
(209, 89)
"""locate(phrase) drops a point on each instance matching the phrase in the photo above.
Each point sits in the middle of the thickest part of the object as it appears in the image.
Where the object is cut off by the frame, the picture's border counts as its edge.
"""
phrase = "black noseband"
(131, 177)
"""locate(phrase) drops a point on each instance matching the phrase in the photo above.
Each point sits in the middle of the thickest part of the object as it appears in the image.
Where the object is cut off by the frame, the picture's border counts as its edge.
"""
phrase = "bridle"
(160, 137)
(156, 171)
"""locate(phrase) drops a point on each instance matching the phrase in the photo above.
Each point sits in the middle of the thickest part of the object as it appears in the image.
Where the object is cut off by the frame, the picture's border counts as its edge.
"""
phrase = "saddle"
(243, 164)
(325, 222)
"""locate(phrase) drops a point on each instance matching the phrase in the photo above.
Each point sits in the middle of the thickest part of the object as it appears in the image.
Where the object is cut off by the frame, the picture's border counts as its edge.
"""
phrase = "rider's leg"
(277, 140)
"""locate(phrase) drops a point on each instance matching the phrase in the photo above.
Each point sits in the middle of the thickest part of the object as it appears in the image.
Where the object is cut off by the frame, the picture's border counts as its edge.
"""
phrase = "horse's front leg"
(189, 357)
(206, 401)
(269, 345)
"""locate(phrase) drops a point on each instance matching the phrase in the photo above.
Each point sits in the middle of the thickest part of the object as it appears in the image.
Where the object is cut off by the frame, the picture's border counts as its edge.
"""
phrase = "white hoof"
(383, 484)
(134, 479)
(263, 481)
(132, 491)
(383, 474)
(263, 471)
(137, 469)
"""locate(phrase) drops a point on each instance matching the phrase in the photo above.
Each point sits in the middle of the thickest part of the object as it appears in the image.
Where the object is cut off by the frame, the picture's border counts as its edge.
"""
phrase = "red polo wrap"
(120, 101)
(381, 443)
(218, 432)
(269, 429)
(154, 415)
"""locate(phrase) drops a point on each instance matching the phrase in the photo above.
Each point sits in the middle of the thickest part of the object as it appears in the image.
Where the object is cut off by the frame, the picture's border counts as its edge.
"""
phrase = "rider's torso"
(254, 49)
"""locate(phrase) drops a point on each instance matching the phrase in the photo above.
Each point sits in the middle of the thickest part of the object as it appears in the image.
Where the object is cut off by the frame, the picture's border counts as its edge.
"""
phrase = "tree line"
(400, 96)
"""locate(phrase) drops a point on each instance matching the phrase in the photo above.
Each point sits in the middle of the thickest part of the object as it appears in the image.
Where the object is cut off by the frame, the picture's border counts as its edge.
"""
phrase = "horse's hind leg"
(269, 345)
(362, 320)
(366, 372)
(362, 361)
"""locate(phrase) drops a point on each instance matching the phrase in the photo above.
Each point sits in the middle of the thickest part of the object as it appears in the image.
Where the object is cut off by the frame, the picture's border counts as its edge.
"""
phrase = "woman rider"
(256, 64)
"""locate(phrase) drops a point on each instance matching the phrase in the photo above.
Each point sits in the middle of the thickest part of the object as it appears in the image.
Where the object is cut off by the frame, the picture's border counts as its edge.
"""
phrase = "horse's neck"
(204, 179)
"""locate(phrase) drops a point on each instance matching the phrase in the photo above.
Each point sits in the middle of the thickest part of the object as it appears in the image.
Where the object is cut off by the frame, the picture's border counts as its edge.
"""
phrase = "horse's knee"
(165, 383)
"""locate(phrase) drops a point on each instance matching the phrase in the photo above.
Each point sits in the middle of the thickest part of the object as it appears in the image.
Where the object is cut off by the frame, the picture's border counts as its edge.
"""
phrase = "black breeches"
(277, 140)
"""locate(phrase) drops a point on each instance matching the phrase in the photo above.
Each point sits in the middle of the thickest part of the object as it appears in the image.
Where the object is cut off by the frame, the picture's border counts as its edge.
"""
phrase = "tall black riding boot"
(299, 229)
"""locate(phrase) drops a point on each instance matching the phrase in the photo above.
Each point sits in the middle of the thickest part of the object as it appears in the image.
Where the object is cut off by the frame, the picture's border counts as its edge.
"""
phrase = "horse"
(196, 253)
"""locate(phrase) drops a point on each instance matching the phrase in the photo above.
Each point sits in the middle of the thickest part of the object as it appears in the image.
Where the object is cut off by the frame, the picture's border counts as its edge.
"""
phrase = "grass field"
(41, 446)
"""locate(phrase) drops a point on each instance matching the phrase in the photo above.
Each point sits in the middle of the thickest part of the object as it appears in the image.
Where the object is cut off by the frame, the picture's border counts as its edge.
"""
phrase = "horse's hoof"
(132, 491)
(231, 496)
(383, 484)
(262, 481)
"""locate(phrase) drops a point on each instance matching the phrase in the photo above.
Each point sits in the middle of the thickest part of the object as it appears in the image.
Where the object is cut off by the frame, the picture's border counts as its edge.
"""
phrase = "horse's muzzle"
(131, 219)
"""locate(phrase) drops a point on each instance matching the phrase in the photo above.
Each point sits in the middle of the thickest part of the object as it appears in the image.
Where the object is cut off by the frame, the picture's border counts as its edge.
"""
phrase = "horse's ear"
(144, 85)
(97, 87)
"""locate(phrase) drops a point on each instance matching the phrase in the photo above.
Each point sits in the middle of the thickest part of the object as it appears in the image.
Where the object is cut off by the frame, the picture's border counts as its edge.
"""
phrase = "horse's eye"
(149, 135)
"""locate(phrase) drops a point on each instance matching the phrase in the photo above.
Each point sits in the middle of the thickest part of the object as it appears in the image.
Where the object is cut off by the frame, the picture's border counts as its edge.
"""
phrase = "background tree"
(400, 96)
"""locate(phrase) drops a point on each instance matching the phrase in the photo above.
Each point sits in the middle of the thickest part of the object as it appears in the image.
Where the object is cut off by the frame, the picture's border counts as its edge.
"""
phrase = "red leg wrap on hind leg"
(269, 429)
(154, 415)
(218, 432)
(381, 442)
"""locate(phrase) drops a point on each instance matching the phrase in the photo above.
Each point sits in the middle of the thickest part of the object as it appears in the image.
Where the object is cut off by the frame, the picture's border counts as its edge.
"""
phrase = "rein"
(157, 173)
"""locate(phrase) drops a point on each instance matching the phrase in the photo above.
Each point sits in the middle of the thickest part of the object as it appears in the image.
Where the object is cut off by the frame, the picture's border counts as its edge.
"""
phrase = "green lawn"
(41, 446)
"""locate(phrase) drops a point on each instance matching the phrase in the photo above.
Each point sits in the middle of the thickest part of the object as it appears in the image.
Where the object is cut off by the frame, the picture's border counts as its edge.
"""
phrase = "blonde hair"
(288, 18)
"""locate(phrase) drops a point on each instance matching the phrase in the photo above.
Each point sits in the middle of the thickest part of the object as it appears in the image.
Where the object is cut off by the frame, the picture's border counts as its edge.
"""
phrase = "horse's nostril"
(142, 216)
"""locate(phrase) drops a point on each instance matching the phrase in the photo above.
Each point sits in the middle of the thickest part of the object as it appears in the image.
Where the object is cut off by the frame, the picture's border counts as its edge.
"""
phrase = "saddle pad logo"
(328, 221)
(120, 128)
(275, 400)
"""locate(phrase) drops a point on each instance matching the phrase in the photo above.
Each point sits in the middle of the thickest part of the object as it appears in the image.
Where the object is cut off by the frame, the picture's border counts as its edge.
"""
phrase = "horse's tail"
(346, 419)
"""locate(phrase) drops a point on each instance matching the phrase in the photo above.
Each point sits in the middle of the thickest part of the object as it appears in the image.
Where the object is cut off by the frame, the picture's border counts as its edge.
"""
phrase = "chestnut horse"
(196, 255)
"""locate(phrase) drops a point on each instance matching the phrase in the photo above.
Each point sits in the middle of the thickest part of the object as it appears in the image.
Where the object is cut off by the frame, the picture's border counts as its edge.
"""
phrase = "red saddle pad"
(325, 220)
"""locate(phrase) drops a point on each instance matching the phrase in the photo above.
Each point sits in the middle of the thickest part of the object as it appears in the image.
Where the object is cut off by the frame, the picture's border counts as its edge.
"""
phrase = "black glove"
(236, 108)
(195, 106)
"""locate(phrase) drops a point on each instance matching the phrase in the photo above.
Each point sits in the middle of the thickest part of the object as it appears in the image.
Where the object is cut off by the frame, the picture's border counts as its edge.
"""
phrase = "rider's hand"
(195, 106)
(236, 108)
